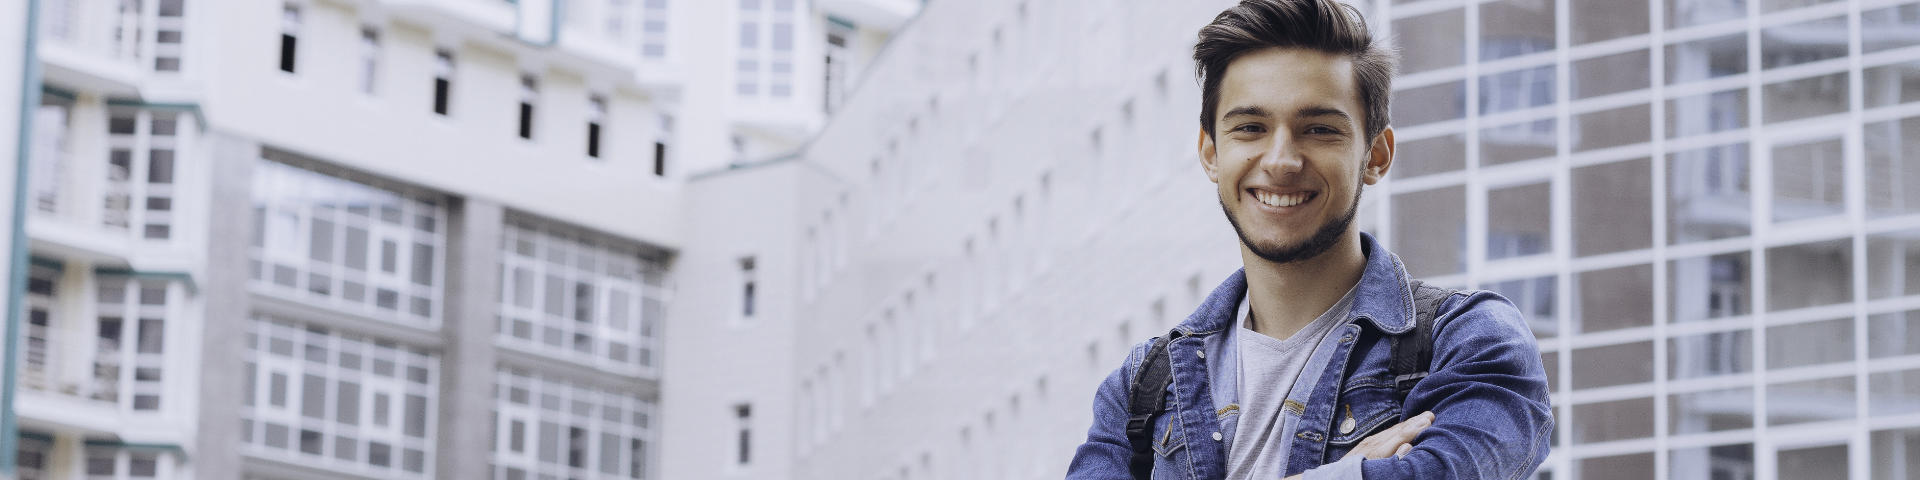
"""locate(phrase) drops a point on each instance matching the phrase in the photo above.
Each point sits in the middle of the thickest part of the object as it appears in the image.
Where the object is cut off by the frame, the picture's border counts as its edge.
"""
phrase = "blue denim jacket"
(1486, 387)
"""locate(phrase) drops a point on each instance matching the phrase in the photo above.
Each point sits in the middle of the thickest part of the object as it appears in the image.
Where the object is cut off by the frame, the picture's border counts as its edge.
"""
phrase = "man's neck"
(1286, 297)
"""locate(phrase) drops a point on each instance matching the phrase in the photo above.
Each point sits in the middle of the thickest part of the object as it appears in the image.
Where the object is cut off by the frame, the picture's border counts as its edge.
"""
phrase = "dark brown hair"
(1321, 25)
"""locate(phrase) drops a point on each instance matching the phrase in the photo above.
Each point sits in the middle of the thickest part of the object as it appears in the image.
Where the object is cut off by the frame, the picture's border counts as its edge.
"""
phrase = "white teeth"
(1278, 200)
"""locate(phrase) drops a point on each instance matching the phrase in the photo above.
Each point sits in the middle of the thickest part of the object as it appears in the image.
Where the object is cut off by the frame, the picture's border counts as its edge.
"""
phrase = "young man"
(1294, 366)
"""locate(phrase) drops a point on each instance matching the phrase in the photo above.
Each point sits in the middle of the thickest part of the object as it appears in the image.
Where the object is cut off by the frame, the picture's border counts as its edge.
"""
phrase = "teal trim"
(44, 437)
(199, 118)
(182, 277)
(60, 93)
(17, 265)
(95, 442)
(553, 34)
(843, 23)
(52, 263)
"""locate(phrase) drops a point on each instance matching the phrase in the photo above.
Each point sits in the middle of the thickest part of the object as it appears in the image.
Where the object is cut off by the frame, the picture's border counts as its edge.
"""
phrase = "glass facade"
(570, 297)
(339, 401)
(546, 427)
(1708, 210)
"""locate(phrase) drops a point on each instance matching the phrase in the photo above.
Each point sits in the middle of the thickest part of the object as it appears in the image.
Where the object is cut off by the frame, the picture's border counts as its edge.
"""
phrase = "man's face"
(1289, 151)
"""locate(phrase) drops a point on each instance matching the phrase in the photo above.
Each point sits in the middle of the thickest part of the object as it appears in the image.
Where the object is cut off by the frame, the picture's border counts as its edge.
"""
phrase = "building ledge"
(76, 69)
(884, 14)
(98, 420)
(269, 300)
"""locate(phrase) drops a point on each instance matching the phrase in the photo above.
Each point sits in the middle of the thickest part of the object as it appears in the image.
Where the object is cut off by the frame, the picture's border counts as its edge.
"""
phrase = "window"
(660, 141)
(369, 60)
(746, 289)
(653, 29)
(765, 61)
(743, 414)
(591, 301)
(34, 457)
(529, 94)
(50, 151)
(347, 243)
(106, 462)
(130, 341)
(339, 401)
(837, 58)
(142, 147)
(42, 308)
(547, 428)
(442, 80)
(289, 36)
(596, 115)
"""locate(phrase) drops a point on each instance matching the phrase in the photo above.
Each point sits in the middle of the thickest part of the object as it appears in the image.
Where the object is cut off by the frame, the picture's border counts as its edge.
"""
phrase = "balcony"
(883, 14)
(102, 183)
(113, 48)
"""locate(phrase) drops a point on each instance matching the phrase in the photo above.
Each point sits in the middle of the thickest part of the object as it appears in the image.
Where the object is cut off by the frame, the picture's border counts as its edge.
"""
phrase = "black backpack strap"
(1144, 401)
(1413, 351)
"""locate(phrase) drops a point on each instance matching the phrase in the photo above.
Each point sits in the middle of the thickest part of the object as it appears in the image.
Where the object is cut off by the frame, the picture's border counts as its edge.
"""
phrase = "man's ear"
(1379, 157)
(1206, 157)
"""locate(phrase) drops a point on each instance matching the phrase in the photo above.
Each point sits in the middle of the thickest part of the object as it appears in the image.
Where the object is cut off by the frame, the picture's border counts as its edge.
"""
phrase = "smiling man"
(1320, 358)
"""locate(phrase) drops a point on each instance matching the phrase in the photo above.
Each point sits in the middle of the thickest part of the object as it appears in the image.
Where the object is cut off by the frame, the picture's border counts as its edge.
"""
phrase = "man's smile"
(1281, 201)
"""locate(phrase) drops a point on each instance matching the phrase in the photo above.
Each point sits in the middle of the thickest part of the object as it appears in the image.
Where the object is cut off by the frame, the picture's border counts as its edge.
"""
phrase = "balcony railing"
(144, 34)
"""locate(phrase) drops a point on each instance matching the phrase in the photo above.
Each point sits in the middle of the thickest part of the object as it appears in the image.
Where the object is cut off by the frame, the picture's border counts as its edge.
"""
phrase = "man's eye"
(1250, 128)
(1322, 131)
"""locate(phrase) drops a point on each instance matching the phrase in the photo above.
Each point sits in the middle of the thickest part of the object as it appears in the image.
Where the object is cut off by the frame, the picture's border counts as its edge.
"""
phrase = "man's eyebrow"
(1311, 112)
(1246, 110)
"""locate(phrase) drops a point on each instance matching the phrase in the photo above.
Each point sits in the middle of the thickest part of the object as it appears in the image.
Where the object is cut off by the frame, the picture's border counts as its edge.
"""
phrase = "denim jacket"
(1486, 387)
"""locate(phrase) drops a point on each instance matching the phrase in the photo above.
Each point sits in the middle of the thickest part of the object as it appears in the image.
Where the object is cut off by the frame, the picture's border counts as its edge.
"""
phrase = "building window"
(765, 60)
(596, 116)
(743, 415)
(289, 36)
(346, 243)
(660, 145)
(42, 307)
(568, 296)
(34, 457)
(653, 29)
(50, 151)
(529, 93)
(546, 428)
(442, 80)
(837, 58)
(110, 462)
(339, 401)
(139, 188)
(746, 289)
(130, 342)
(369, 60)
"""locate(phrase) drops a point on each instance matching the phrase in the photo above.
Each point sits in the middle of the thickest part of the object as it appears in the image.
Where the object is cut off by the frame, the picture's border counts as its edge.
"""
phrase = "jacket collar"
(1382, 298)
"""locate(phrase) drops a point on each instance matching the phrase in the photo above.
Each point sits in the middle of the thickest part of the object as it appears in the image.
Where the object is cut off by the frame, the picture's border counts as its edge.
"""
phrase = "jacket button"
(1201, 353)
(1217, 436)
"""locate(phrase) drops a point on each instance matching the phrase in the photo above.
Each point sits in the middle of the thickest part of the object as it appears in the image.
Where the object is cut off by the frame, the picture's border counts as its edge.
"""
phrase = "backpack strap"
(1413, 351)
(1144, 401)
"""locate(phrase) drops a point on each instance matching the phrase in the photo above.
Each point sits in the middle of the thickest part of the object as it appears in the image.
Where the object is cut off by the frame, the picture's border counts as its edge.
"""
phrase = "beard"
(1322, 239)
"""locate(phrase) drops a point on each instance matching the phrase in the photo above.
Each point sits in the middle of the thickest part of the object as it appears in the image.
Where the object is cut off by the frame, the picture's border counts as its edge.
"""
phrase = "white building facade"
(381, 238)
(1707, 209)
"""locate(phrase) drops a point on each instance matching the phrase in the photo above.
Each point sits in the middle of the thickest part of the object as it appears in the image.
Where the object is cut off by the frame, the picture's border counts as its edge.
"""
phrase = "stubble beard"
(1322, 240)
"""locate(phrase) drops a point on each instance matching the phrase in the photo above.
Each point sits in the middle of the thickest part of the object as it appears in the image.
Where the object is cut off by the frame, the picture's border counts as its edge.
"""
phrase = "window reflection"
(1614, 298)
(1809, 274)
(1809, 180)
(1893, 165)
(1896, 454)
(1702, 59)
(1511, 28)
(1893, 334)
(1710, 354)
(1893, 264)
(1596, 21)
(1518, 141)
(1810, 343)
(1432, 41)
(1893, 393)
(1620, 72)
(1704, 288)
(1612, 128)
(1429, 231)
(1534, 297)
(1611, 365)
(1519, 220)
(1707, 113)
(1616, 420)
(1516, 90)
(1719, 462)
(1804, 42)
(1810, 401)
(1612, 207)
(1686, 13)
(1813, 462)
(1707, 194)
(1710, 411)
(1805, 98)
(1426, 156)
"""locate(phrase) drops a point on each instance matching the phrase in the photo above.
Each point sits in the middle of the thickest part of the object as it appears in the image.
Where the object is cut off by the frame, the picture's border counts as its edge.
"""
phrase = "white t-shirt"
(1268, 368)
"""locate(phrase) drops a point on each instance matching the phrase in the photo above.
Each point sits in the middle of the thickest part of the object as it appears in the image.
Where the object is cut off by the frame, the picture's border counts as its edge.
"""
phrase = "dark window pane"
(1596, 21)
(1612, 207)
(1788, 403)
(1702, 288)
(1708, 194)
(1893, 164)
(1611, 365)
(1805, 98)
(1710, 354)
(1511, 28)
(1444, 153)
(1429, 231)
(1519, 220)
(1515, 142)
(1614, 298)
(1706, 58)
(1711, 411)
(1620, 72)
(1638, 466)
(1432, 41)
(1809, 180)
(1612, 128)
(1810, 343)
(1616, 420)
(1809, 274)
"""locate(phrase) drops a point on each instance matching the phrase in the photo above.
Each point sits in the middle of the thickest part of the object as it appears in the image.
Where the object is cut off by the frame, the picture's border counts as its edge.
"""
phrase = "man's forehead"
(1281, 78)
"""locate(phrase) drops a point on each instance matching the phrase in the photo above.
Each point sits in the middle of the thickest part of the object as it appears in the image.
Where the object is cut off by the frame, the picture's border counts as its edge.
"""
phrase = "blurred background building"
(879, 239)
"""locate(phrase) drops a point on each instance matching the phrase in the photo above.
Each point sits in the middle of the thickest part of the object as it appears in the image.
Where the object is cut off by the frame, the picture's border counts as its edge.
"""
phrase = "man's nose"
(1281, 157)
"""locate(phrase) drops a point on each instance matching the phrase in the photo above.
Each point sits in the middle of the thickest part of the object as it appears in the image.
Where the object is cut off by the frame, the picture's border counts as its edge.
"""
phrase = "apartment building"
(382, 238)
(1708, 210)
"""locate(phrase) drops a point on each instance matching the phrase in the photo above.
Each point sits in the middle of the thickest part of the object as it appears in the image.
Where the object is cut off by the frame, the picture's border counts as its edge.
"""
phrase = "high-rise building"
(1709, 210)
(396, 239)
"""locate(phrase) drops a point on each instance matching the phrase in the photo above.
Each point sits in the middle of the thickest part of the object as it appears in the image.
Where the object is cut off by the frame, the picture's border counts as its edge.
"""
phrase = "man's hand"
(1394, 441)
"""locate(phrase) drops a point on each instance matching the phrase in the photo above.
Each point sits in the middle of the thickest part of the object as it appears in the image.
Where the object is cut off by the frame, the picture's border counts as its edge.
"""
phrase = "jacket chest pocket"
(1365, 408)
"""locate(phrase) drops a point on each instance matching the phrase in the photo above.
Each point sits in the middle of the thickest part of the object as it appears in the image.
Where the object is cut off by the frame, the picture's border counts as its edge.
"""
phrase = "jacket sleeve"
(1488, 393)
(1106, 453)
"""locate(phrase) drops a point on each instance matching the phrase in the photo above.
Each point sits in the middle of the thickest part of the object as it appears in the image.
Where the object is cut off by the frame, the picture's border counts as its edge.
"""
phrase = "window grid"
(765, 51)
(573, 298)
(547, 428)
(114, 463)
(348, 244)
(130, 342)
(39, 368)
(1723, 144)
(146, 34)
(339, 401)
(33, 456)
(653, 29)
(143, 148)
(51, 152)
